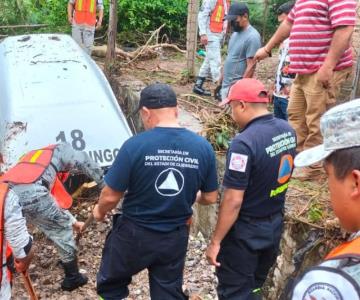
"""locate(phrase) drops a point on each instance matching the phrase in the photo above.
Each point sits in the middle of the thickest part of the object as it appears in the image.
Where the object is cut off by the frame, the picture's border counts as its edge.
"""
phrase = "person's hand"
(261, 54)
(98, 215)
(22, 264)
(324, 75)
(211, 254)
(98, 24)
(204, 39)
(78, 226)
(70, 20)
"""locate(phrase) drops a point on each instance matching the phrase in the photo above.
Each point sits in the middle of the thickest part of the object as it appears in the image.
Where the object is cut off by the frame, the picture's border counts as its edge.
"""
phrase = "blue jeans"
(280, 107)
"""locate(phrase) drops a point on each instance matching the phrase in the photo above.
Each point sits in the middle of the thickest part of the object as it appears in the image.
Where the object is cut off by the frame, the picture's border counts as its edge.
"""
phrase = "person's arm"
(209, 189)
(99, 21)
(339, 43)
(280, 35)
(117, 181)
(108, 200)
(80, 161)
(252, 46)
(16, 233)
(228, 213)
(250, 68)
(209, 198)
(203, 19)
(70, 12)
(236, 180)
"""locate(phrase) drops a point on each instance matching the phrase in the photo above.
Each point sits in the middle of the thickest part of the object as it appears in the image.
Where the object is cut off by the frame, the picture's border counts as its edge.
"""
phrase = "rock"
(47, 280)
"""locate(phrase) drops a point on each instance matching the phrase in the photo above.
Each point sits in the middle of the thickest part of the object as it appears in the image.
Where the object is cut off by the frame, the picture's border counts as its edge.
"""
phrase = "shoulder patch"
(238, 162)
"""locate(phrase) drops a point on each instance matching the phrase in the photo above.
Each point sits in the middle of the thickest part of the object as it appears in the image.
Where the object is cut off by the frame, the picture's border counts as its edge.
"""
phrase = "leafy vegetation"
(136, 18)
(315, 213)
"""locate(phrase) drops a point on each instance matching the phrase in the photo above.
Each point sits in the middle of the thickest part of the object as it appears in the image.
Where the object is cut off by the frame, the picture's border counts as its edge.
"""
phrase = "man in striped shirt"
(320, 33)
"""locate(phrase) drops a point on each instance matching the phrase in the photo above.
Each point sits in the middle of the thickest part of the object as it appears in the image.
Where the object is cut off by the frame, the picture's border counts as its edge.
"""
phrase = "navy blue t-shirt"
(260, 161)
(161, 171)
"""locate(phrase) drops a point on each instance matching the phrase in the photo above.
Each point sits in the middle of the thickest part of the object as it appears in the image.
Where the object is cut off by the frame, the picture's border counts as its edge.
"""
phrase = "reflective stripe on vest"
(85, 12)
(217, 16)
(3, 192)
(31, 167)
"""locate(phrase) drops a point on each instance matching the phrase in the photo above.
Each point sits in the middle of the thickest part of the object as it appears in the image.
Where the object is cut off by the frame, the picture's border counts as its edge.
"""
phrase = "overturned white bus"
(51, 91)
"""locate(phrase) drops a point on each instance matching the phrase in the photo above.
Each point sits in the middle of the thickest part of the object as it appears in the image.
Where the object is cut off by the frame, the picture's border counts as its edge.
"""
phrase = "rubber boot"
(73, 279)
(198, 87)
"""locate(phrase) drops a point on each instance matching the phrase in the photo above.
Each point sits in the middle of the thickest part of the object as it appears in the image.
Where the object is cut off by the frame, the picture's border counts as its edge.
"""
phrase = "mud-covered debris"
(24, 39)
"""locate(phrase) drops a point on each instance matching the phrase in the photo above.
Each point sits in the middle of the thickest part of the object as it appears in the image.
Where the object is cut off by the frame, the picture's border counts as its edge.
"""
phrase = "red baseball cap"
(247, 90)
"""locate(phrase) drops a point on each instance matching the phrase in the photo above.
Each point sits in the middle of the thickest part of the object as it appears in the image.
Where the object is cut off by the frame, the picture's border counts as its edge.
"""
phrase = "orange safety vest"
(32, 166)
(9, 256)
(346, 250)
(217, 16)
(85, 12)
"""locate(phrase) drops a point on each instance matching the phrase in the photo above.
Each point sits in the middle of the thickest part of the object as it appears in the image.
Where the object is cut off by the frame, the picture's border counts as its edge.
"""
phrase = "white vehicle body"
(52, 91)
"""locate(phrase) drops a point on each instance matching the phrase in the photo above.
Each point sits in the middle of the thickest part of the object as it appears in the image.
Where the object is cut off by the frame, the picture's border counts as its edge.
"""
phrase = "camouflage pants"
(84, 36)
(212, 63)
(40, 209)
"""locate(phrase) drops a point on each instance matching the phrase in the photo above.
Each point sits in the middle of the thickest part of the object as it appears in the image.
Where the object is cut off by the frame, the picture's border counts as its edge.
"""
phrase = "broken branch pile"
(146, 51)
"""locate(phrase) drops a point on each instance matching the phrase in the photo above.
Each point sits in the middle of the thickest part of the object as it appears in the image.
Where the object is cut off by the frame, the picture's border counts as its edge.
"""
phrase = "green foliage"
(315, 213)
(145, 16)
(12, 12)
(136, 18)
(257, 17)
(51, 12)
(223, 138)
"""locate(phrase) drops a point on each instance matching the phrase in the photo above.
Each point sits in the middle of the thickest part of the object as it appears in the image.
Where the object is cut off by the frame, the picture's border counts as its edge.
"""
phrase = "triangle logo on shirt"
(169, 183)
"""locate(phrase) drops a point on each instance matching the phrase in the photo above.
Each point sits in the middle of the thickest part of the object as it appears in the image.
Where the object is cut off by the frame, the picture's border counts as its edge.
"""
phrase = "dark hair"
(344, 161)
(285, 8)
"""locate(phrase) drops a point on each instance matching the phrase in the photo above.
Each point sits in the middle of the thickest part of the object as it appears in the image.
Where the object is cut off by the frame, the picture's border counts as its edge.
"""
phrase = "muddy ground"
(199, 277)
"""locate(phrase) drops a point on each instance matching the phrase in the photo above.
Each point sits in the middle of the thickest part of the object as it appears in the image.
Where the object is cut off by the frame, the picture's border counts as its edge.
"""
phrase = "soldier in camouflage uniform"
(212, 29)
(41, 209)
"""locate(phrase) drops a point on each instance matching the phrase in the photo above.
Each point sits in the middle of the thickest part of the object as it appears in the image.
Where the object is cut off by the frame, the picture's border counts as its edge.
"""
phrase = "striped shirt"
(313, 25)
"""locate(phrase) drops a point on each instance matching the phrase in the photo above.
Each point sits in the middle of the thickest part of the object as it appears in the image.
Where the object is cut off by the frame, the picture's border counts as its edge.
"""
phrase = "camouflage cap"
(340, 127)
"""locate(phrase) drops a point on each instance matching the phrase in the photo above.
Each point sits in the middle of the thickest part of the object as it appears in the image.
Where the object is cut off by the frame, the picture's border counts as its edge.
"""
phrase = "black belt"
(263, 218)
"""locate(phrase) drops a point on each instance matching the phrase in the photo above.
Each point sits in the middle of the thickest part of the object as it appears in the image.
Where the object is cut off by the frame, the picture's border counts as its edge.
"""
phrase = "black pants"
(247, 253)
(130, 248)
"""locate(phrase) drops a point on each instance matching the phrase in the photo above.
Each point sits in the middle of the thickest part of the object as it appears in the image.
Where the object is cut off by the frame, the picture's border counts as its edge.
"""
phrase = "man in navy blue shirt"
(159, 173)
(259, 165)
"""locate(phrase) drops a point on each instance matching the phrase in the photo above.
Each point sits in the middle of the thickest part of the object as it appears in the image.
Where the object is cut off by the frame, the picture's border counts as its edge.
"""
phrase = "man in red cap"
(259, 164)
